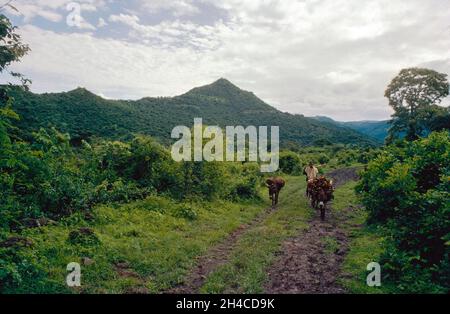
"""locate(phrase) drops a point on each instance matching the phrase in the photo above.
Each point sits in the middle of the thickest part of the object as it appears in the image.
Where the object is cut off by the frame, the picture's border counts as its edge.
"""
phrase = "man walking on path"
(310, 172)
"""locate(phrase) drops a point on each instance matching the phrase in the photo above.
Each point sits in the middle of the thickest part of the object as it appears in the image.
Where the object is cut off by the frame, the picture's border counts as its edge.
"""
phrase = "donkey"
(320, 196)
(275, 184)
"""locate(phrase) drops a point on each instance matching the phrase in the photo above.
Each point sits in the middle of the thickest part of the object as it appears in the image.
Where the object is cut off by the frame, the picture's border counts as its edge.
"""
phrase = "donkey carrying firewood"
(320, 191)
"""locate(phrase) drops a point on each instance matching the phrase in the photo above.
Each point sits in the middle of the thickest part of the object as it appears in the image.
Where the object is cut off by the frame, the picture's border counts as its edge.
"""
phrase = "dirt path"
(310, 262)
(215, 257)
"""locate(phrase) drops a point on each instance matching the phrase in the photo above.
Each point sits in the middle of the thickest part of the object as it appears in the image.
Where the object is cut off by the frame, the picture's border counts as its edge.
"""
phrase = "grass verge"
(366, 243)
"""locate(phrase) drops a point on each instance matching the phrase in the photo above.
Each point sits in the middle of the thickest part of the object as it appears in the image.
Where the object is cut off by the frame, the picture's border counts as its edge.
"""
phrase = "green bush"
(83, 236)
(290, 163)
(119, 191)
(347, 157)
(406, 188)
(186, 211)
(18, 267)
(242, 181)
(323, 159)
(41, 178)
(21, 268)
(244, 189)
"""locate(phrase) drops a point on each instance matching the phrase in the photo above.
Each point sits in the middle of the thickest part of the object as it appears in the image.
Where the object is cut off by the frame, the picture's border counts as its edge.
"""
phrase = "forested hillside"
(376, 129)
(83, 114)
(373, 129)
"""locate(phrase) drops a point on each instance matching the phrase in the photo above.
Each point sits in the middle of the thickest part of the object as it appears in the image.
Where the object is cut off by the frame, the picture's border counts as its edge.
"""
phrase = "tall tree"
(11, 47)
(414, 94)
(11, 50)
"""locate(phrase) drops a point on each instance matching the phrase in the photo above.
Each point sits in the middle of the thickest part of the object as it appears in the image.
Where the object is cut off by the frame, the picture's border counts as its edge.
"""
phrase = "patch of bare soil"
(310, 262)
(215, 257)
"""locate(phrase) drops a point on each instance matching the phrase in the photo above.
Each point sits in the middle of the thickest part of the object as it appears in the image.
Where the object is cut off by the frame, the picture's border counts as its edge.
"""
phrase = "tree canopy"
(12, 49)
(414, 95)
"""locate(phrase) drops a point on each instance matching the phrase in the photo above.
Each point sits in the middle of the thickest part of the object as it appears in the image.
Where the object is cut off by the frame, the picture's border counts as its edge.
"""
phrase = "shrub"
(186, 211)
(406, 188)
(41, 179)
(244, 189)
(119, 191)
(19, 268)
(83, 236)
(242, 181)
(290, 163)
(202, 180)
(323, 159)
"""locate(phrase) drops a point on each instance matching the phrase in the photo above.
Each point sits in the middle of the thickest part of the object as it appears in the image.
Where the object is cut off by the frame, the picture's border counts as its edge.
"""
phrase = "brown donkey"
(275, 184)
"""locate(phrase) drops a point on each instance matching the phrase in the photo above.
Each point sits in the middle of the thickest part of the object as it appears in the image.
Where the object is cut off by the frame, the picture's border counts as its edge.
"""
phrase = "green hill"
(374, 129)
(84, 114)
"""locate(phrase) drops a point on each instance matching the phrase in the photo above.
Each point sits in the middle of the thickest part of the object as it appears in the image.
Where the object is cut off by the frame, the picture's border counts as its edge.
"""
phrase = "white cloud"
(85, 25)
(52, 10)
(101, 23)
(114, 68)
(125, 18)
(170, 33)
(30, 10)
(176, 7)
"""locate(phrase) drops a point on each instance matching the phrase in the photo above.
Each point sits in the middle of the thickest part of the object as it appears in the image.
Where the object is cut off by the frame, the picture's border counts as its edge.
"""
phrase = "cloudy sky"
(314, 57)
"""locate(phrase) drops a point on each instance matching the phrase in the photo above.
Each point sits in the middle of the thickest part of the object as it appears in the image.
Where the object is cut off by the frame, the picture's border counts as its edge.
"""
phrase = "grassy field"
(157, 245)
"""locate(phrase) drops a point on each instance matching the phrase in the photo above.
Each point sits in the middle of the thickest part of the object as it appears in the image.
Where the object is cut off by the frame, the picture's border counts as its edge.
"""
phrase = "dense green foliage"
(406, 189)
(49, 175)
(11, 47)
(83, 114)
(294, 159)
(50, 178)
(290, 163)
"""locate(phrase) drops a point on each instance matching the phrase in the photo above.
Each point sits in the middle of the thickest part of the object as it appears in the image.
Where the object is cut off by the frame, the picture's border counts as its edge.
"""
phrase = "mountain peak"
(224, 82)
(220, 88)
(80, 90)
